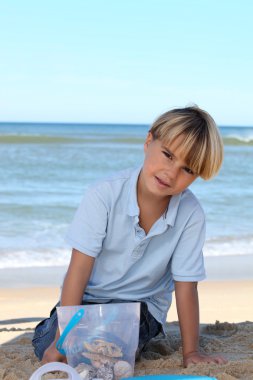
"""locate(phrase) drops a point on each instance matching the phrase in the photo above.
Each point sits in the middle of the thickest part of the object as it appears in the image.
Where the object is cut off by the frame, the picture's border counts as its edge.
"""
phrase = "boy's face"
(164, 170)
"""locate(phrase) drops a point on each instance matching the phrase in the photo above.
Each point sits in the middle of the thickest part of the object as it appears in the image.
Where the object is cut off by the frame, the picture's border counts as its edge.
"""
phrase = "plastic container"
(55, 366)
(100, 341)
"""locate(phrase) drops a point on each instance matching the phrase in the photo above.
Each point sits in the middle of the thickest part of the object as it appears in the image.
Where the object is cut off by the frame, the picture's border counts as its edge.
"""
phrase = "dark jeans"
(45, 331)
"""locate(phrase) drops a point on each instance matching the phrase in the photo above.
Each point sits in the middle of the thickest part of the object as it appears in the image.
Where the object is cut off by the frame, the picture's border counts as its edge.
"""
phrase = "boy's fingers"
(220, 360)
(215, 359)
(53, 355)
(205, 359)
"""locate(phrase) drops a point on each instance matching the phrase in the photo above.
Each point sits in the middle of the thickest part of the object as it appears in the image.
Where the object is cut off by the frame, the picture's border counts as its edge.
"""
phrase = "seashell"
(82, 366)
(100, 346)
(85, 371)
(105, 372)
(92, 376)
(97, 360)
(84, 374)
(122, 369)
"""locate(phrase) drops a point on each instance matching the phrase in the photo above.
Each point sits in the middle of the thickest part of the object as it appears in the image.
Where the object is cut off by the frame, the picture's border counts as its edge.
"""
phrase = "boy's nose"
(172, 173)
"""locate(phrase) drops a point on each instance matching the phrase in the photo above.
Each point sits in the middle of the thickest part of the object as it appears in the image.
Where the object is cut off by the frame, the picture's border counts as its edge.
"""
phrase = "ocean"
(45, 169)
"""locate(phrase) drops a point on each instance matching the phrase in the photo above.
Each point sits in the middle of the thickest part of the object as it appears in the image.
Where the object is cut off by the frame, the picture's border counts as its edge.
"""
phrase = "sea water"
(45, 169)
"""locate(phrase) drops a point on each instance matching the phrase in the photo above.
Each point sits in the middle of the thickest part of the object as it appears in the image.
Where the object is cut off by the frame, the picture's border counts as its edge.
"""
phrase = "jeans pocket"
(43, 327)
(44, 335)
(149, 326)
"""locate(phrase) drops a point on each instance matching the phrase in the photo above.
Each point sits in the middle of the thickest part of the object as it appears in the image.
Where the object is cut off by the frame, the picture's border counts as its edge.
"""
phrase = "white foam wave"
(225, 246)
(18, 258)
(238, 137)
(32, 258)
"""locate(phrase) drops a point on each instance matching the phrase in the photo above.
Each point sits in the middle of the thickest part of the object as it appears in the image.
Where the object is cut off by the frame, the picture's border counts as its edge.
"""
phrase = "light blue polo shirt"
(131, 265)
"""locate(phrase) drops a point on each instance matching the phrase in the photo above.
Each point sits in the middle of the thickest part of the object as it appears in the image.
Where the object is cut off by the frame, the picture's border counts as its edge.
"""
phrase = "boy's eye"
(188, 170)
(168, 155)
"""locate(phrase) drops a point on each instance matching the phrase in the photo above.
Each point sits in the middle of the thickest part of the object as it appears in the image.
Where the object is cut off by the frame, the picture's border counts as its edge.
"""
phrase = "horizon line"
(105, 123)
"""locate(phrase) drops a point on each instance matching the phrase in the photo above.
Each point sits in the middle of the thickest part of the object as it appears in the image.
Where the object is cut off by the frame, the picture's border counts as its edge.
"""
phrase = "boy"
(139, 235)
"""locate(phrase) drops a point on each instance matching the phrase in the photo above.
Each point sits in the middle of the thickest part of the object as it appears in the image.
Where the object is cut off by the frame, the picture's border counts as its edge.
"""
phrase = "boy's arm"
(75, 282)
(188, 315)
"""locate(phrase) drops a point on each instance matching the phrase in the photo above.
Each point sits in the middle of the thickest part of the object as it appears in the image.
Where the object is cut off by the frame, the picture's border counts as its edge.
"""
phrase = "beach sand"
(230, 302)
(28, 294)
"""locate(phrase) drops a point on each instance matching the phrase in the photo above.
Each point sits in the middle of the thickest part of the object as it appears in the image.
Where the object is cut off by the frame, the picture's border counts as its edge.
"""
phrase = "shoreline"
(218, 268)
(28, 294)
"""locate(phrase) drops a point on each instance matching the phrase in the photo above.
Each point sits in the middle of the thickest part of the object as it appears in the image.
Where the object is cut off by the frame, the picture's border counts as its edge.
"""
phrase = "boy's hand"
(198, 357)
(53, 355)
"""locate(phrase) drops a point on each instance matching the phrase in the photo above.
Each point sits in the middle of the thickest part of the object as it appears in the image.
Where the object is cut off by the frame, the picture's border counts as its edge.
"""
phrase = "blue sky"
(125, 60)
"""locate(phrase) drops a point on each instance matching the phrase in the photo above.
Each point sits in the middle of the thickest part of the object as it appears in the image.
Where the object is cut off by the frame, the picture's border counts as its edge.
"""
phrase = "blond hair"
(202, 147)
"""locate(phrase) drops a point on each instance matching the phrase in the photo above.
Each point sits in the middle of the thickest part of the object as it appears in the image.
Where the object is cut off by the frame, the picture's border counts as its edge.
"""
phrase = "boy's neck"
(151, 207)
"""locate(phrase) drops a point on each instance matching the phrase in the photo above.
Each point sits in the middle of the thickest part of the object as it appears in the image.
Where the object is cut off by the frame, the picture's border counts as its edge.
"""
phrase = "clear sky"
(125, 60)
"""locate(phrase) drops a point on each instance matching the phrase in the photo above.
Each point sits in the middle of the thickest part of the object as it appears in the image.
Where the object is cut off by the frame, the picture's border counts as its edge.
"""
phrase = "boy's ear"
(148, 140)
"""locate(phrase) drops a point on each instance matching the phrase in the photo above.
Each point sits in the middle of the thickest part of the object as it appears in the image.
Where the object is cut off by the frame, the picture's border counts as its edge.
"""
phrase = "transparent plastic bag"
(104, 341)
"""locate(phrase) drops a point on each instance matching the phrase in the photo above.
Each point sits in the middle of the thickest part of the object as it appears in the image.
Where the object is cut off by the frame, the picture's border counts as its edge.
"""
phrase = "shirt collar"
(132, 204)
(171, 213)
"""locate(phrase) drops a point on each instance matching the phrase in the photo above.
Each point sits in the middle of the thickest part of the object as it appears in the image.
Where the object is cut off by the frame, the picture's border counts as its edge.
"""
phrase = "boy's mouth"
(162, 182)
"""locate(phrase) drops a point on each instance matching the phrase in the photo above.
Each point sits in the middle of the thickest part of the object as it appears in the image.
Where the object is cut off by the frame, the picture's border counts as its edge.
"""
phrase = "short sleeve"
(88, 228)
(187, 260)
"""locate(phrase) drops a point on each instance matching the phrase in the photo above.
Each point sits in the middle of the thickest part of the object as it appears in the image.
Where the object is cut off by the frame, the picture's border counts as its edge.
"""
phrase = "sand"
(230, 302)
(163, 356)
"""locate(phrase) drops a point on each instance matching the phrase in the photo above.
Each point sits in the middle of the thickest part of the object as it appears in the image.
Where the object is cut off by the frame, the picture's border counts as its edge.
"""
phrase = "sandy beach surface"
(226, 328)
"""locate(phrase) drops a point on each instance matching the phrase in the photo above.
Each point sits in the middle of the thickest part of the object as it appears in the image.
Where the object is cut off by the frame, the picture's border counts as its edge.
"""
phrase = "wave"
(52, 256)
(47, 139)
(33, 139)
(229, 245)
(42, 139)
(34, 258)
(238, 141)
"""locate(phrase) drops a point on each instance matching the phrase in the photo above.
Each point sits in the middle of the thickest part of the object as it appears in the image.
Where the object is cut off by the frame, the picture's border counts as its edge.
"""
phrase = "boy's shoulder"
(119, 177)
(114, 186)
(190, 204)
